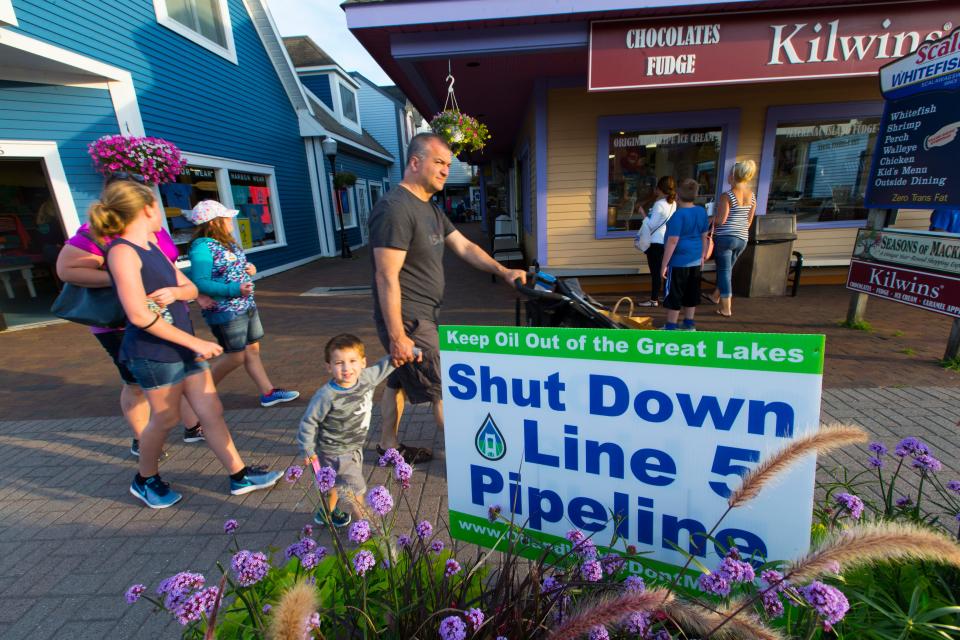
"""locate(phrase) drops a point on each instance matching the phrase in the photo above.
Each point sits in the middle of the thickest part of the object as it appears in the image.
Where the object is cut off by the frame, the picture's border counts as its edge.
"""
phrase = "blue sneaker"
(277, 396)
(155, 493)
(256, 478)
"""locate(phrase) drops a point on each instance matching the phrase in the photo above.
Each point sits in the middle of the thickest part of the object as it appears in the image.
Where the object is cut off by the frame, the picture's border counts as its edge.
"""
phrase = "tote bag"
(95, 307)
(643, 238)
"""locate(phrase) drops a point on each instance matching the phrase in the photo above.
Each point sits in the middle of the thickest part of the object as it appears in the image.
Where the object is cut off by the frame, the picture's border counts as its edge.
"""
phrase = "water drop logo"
(489, 441)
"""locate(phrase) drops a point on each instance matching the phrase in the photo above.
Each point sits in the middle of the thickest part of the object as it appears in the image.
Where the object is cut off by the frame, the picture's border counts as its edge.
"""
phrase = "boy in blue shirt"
(683, 256)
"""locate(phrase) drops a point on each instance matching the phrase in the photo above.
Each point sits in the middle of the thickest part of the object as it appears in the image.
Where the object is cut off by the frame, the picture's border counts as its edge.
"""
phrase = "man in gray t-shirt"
(408, 235)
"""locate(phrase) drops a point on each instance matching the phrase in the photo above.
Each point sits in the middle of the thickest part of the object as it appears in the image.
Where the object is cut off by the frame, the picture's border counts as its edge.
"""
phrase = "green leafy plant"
(953, 364)
(857, 325)
(344, 180)
(908, 351)
(460, 131)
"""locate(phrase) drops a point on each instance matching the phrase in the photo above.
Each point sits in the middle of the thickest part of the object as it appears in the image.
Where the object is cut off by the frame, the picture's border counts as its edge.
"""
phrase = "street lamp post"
(329, 147)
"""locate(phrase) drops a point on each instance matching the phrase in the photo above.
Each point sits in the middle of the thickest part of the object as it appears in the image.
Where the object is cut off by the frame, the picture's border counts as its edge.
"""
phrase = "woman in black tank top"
(159, 347)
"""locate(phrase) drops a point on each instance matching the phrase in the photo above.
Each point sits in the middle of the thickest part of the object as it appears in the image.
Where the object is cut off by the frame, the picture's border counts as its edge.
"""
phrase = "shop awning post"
(876, 219)
(953, 342)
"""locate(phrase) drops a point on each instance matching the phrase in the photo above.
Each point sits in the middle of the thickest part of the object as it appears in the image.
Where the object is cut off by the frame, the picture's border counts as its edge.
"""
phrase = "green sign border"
(811, 346)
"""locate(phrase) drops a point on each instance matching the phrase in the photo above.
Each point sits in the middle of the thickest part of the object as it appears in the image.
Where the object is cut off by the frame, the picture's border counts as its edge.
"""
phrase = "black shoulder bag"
(95, 307)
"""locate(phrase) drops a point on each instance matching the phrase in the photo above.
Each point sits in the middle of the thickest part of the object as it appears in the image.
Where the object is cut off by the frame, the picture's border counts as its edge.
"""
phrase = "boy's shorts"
(683, 288)
(235, 335)
(349, 468)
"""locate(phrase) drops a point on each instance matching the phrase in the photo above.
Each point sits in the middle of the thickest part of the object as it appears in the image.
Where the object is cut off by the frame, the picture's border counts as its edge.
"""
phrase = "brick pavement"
(72, 539)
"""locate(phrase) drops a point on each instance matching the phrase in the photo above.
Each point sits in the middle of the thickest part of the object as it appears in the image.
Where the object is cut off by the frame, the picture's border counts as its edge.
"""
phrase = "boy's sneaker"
(277, 396)
(193, 434)
(256, 478)
(337, 518)
(155, 493)
(687, 326)
(135, 451)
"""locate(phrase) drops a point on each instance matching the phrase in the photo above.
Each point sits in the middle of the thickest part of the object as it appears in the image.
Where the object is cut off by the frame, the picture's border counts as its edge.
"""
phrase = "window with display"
(252, 197)
(192, 186)
(637, 159)
(819, 169)
(349, 215)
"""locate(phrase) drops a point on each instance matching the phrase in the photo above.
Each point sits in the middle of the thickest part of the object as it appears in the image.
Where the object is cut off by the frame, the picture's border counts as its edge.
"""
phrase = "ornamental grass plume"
(699, 619)
(868, 543)
(825, 439)
(610, 611)
(288, 620)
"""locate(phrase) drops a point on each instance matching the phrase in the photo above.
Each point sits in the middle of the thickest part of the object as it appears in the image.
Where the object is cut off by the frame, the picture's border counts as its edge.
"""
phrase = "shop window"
(249, 188)
(633, 152)
(205, 22)
(817, 169)
(349, 214)
(348, 101)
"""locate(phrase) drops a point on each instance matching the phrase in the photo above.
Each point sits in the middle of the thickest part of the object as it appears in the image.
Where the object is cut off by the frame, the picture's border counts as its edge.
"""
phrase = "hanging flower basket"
(461, 132)
(344, 180)
(155, 159)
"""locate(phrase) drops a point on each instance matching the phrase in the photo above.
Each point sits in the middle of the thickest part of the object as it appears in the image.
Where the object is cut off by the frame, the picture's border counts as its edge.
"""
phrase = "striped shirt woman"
(738, 220)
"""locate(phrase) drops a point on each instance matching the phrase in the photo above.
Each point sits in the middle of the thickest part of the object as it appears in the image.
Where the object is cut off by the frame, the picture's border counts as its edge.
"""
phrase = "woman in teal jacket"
(221, 271)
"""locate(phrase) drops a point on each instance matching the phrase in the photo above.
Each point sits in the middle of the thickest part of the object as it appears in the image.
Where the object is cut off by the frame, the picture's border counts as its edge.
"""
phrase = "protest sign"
(561, 428)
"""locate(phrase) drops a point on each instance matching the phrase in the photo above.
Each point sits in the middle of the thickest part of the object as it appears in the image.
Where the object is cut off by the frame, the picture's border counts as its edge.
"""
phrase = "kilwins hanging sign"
(760, 47)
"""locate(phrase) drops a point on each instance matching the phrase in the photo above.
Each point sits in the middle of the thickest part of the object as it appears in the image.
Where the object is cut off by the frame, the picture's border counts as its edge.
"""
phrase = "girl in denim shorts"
(158, 346)
(225, 278)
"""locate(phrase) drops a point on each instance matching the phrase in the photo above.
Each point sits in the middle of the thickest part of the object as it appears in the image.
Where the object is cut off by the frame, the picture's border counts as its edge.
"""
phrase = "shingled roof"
(304, 52)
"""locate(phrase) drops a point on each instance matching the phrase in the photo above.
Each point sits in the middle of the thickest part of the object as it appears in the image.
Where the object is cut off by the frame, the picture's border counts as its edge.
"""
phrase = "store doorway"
(31, 235)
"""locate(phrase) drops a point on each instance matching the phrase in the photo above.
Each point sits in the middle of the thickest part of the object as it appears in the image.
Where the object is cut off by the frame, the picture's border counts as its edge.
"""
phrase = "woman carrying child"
(221, 271)
(158, 345)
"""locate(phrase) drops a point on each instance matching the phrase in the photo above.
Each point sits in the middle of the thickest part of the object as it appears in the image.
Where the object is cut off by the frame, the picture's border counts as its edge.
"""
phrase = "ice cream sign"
(751, 47)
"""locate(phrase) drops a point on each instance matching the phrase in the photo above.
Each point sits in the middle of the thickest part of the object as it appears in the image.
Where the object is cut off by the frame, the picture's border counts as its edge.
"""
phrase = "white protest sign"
(565, 427)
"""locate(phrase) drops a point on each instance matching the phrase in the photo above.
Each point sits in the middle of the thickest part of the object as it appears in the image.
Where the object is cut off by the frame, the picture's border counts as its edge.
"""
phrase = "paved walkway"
(72, 539)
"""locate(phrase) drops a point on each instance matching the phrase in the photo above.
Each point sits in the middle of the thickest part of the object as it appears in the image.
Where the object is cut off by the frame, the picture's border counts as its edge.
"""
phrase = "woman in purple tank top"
(159, 347)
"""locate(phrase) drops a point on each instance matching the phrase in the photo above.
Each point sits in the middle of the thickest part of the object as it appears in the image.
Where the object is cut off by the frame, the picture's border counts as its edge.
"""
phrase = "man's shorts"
(420, 381)
(349, 468)
(235, 335)
(683, 288)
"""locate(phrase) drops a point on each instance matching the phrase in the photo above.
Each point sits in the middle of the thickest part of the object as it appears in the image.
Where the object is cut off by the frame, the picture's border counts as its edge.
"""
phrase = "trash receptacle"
(763, 267)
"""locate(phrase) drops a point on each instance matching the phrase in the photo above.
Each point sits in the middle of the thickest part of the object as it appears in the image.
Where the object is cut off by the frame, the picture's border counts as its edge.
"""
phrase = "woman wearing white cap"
(220, 270)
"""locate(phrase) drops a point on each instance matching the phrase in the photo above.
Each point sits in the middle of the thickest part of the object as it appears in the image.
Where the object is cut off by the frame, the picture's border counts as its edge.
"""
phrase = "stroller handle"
(530, 292)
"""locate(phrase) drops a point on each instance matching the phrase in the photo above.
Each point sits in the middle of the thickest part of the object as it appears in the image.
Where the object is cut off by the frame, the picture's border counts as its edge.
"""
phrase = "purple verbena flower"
(904, 501)
(326, 479)
(876, 463)
(230, 526)
(300, 548)
(293, 473)
(403, 541)
(634, 584)
(851, 503)
(662, 634)
(363, 562)
(599, 632)
(954, 485)
(452, 628)
(714, 583)
(772, 604)
(249, 568)
(878, 448)
(380, 500)
(424, 529)
(133, 593)
(550, 584)
(310, 560)
(591, 571)
(452, 568)
(475, 617)
(637, 622)
(911, 447)
(390, 456)
(403, 472)
(359, 532)
(493, 513)
(313, 623)
(267, 609)
(307, 531)
(774, 579)
(612, 563)
(926, 462)
(198, 604)
(176, 587)
(734, 569)
(436, 546)
(827, 601)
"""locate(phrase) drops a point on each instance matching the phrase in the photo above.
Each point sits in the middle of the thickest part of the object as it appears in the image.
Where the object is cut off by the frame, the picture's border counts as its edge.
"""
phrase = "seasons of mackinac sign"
(763, 46)
(919, 269)
(563, 427)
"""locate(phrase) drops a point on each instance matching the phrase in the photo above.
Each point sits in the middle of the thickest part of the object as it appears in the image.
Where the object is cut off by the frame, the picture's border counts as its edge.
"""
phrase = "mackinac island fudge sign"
(751, 47)
(635, 436)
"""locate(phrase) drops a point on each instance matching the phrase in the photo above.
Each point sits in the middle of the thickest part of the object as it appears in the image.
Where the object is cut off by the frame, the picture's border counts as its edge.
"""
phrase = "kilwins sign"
(759, 47)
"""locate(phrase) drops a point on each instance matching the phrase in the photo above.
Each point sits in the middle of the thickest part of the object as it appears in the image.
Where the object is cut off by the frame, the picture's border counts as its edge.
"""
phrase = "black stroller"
(553, 302)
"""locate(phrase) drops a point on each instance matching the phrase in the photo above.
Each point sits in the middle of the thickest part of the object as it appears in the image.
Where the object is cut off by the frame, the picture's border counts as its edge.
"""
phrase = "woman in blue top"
(221, 271)
(158, 345)
(734, 216)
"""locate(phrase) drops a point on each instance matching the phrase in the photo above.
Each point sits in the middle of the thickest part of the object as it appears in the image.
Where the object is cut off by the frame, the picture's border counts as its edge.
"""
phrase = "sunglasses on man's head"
(125, 175)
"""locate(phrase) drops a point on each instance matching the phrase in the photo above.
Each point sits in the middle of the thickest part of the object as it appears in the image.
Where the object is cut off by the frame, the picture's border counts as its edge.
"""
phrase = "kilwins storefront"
(589, 102)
